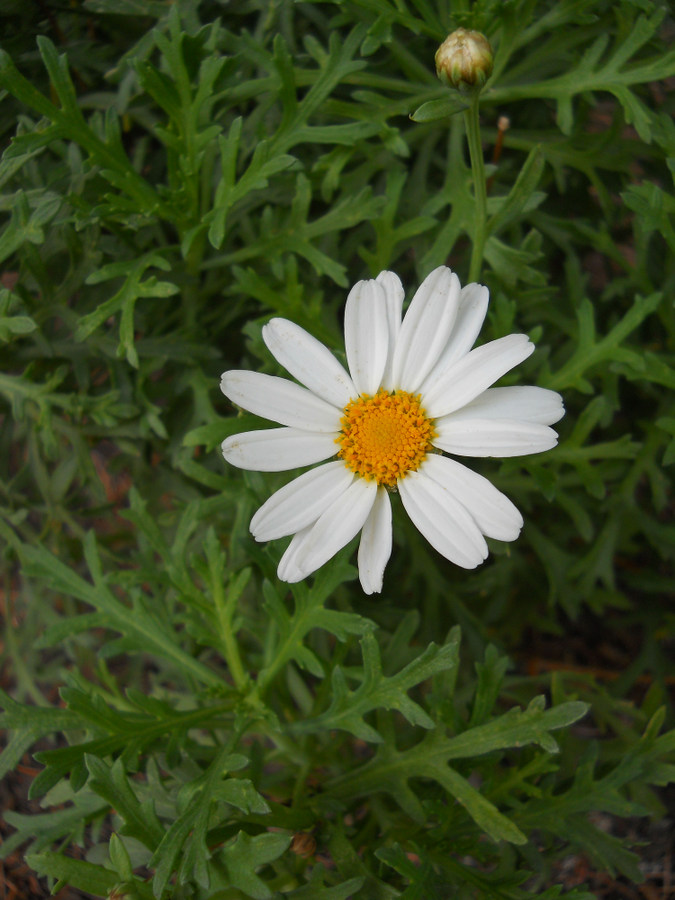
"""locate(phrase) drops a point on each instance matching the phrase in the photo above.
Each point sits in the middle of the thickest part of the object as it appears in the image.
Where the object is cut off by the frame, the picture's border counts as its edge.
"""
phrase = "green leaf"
(77, 873)
(388, 234)
(57, 67)
(490, 676)
(56, 826)
(606, 851)
(513, 264)
(285, 642)
(592, 74)
(655, 208)
(246, 854)
(419, 874)
(26, 226)
(124, 300)
(232, 190)
(163, 90)
(390, 770)
(30, 723)
(119, 857)
(376, 691)
(442, 108)
(187, 835)
(142, 630)
(68, 121)
(14, 82)
(516, 728)
(522, 197)
(565, 813)
(484, 813)
(15, 325)
(590, 352)
(111, 783)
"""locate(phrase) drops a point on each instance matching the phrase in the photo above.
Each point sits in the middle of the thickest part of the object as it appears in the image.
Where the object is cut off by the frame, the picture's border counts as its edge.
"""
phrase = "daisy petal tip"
(232, 451)
(274, 332)
(293, 575)
(439, 272)
(371, 581)
(288, 570)
(268, 329)
(225, 382)
(507, 532)
(274, 324)
(476, 291)
(388, 278)
(369, 588)
(540, 447)
(289, 575)
(254, 528)
(549, 440)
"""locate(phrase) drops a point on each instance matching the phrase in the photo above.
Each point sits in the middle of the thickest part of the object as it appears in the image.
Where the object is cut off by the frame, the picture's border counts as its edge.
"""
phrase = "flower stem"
(478, 169)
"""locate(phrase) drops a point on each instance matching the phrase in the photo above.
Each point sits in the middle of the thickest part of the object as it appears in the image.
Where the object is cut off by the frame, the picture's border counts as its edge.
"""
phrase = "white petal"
(286, 565)
(473, 304)
(527, 404)
(309, 361)
(442, 520)
(300, 502)
(280, 400)
(491, 437)
(278, 449)
(314, 546)
(394, 293)
(492, 511)
(447, 390)
(366, 335)
(375, 546)
(425, 330)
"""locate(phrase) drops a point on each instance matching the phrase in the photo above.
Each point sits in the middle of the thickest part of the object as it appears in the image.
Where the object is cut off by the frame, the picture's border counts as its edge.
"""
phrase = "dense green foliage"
(174, 174)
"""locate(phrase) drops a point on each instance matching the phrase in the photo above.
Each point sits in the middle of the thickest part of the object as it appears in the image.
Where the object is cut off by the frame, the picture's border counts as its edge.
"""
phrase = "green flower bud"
(464, 60)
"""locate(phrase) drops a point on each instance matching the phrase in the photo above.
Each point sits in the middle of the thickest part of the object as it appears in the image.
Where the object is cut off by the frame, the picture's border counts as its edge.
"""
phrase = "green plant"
(174, 181)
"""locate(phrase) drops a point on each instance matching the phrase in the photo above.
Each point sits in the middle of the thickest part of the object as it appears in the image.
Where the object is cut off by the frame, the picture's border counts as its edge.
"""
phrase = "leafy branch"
(391, 770)
(376, 691)
(589, 351)
(68, 122)
(590, 74)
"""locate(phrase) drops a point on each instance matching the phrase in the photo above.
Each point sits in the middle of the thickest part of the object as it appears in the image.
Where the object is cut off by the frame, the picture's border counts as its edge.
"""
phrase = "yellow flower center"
(385, 436)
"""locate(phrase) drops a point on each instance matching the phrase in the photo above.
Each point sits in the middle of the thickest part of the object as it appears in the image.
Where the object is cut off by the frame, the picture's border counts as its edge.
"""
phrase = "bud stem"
(479, 191)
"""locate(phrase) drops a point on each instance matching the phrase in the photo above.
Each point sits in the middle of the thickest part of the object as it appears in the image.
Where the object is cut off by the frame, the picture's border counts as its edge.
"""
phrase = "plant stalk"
(230, 646)
(471, 119)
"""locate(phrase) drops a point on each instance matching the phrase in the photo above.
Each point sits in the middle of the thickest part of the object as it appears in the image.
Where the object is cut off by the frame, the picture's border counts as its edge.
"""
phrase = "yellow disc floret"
(384, 436)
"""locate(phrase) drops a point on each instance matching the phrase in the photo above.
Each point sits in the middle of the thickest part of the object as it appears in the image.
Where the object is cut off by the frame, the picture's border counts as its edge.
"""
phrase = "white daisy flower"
(415, 391)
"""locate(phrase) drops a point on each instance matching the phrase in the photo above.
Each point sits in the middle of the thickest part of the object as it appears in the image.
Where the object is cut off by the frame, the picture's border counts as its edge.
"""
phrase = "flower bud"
(464, 59)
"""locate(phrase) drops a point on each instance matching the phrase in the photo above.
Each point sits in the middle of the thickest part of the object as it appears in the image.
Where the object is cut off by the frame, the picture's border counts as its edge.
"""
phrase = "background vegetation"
(174, 174)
